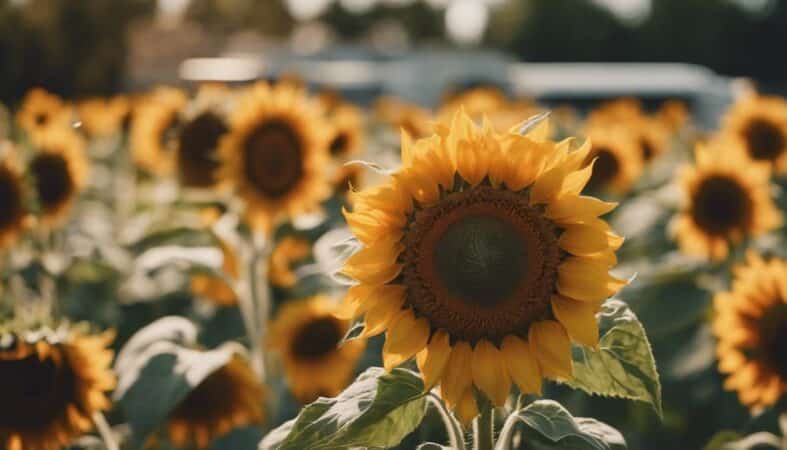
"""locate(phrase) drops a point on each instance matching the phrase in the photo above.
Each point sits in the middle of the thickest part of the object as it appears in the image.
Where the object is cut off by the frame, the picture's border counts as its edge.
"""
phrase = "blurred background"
(88, 47)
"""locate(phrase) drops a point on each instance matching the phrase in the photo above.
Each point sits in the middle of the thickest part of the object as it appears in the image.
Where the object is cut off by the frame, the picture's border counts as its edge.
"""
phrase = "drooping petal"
(457, 377)
(433, 359)
(552, 347)
(467, 409)
(522, 364)
(587, 239)
(406, 337)
(586, 279)
(489, 372)
(354, 303)
(385, 306)
(579, 319)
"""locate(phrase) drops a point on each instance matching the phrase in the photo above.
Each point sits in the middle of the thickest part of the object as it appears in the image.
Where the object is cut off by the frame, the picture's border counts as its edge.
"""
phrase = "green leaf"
(378, 410)
(551, 426)
(623, 365)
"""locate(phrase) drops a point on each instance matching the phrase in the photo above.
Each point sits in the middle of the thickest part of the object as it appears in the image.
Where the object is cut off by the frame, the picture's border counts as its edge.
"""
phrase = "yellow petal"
(522, 364)
(354, 303)
(577, 208)
(547, 186)
(406, 337)
(457, 377)
(374, 274)
(466, 410)
(552, 347)
(579, 319)
(586, 279)
(585, 239)
(433, 359)
(489, 372)
(386, 306)
(576, 181)
(469, 163)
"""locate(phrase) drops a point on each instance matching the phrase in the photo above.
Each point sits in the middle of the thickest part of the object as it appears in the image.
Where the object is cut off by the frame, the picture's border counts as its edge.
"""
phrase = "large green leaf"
(623, 365)
(377, 410)
(550, 426)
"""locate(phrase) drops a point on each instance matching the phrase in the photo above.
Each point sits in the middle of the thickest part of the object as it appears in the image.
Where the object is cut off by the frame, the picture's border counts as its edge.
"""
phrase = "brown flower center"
(41, 119)
(481, 263)
(11, 205)
(197, 157)
(720, 204)
(273, 158)
(35, 392)
(605, 169)
(773, 337)
(53, 181)
(339, 144)
(648, 151)
(317, 338)
(764, 139)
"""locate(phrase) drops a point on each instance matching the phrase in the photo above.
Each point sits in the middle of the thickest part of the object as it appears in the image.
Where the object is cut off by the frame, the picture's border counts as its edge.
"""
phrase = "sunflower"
(41, 110)
(619, 110)
(651, 135)
(13, 212)
(154, 128)
(403, 115)
(53, 384)
(306, 335)
(59, 170)
(287, 252)
(228, 398)
(481, 258)
(618, 158)
(751, 326)
(673, 114)
(275, 153)
(213, 288)
(103, 116)
(347, 137)
(726, 198)
(761, 124)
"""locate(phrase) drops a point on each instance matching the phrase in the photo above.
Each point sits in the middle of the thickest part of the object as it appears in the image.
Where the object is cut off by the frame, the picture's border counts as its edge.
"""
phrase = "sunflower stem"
(105, 431)
(484, 429)
(260, 298)
(456, 438)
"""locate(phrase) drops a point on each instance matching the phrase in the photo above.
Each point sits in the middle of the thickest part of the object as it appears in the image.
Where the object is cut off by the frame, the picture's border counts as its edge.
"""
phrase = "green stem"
(456, 437)
(484, 429)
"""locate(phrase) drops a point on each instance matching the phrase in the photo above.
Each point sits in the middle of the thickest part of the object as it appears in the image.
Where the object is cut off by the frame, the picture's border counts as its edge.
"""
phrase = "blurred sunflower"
(403, 115)
(726, 198)
(288, 251)
(228, 398)
(489, 102)
(347, 137)
(673, 114)
(276, 153)
(306, 335)
(41, 110)
(481, 258)
(104, 116)
(59, 170)
(616, 111)
(53, 384)
(618, 158)
(751, 326)
(13, 212)
(154, 130)
(652, 136)
(213, 288)
(761, 124)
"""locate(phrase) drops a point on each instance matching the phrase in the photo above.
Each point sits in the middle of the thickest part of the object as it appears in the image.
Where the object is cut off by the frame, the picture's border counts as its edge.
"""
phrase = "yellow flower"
(619, 110)
(229, 398)
(761, 124)
(41, 110)
(403, 115)
(154, 128)
(197, 149)
(347, 137)
(276, 153)
(618, 158)
(13, 211)
(59, 168)
(482, 259)
(673, 114)
(52, 387)
(751, 326)
(286, 252)
(306, 336)
(726, 198)
(104, 117)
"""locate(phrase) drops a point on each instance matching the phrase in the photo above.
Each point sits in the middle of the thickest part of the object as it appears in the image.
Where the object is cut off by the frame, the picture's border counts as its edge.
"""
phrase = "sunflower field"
(271, 266)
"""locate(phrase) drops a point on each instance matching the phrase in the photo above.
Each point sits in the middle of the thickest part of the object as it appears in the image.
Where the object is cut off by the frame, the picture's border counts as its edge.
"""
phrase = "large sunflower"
(751, 326)
(41, 110)
(481, 258)
(103, 116)
(761, 124)
(13, 212)
(618, 158)
(287, 252)
(726, 198)
(52, 384)
(276, 153)
(228, 398)
(59, 171)
(154, 130)
(306, 335)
